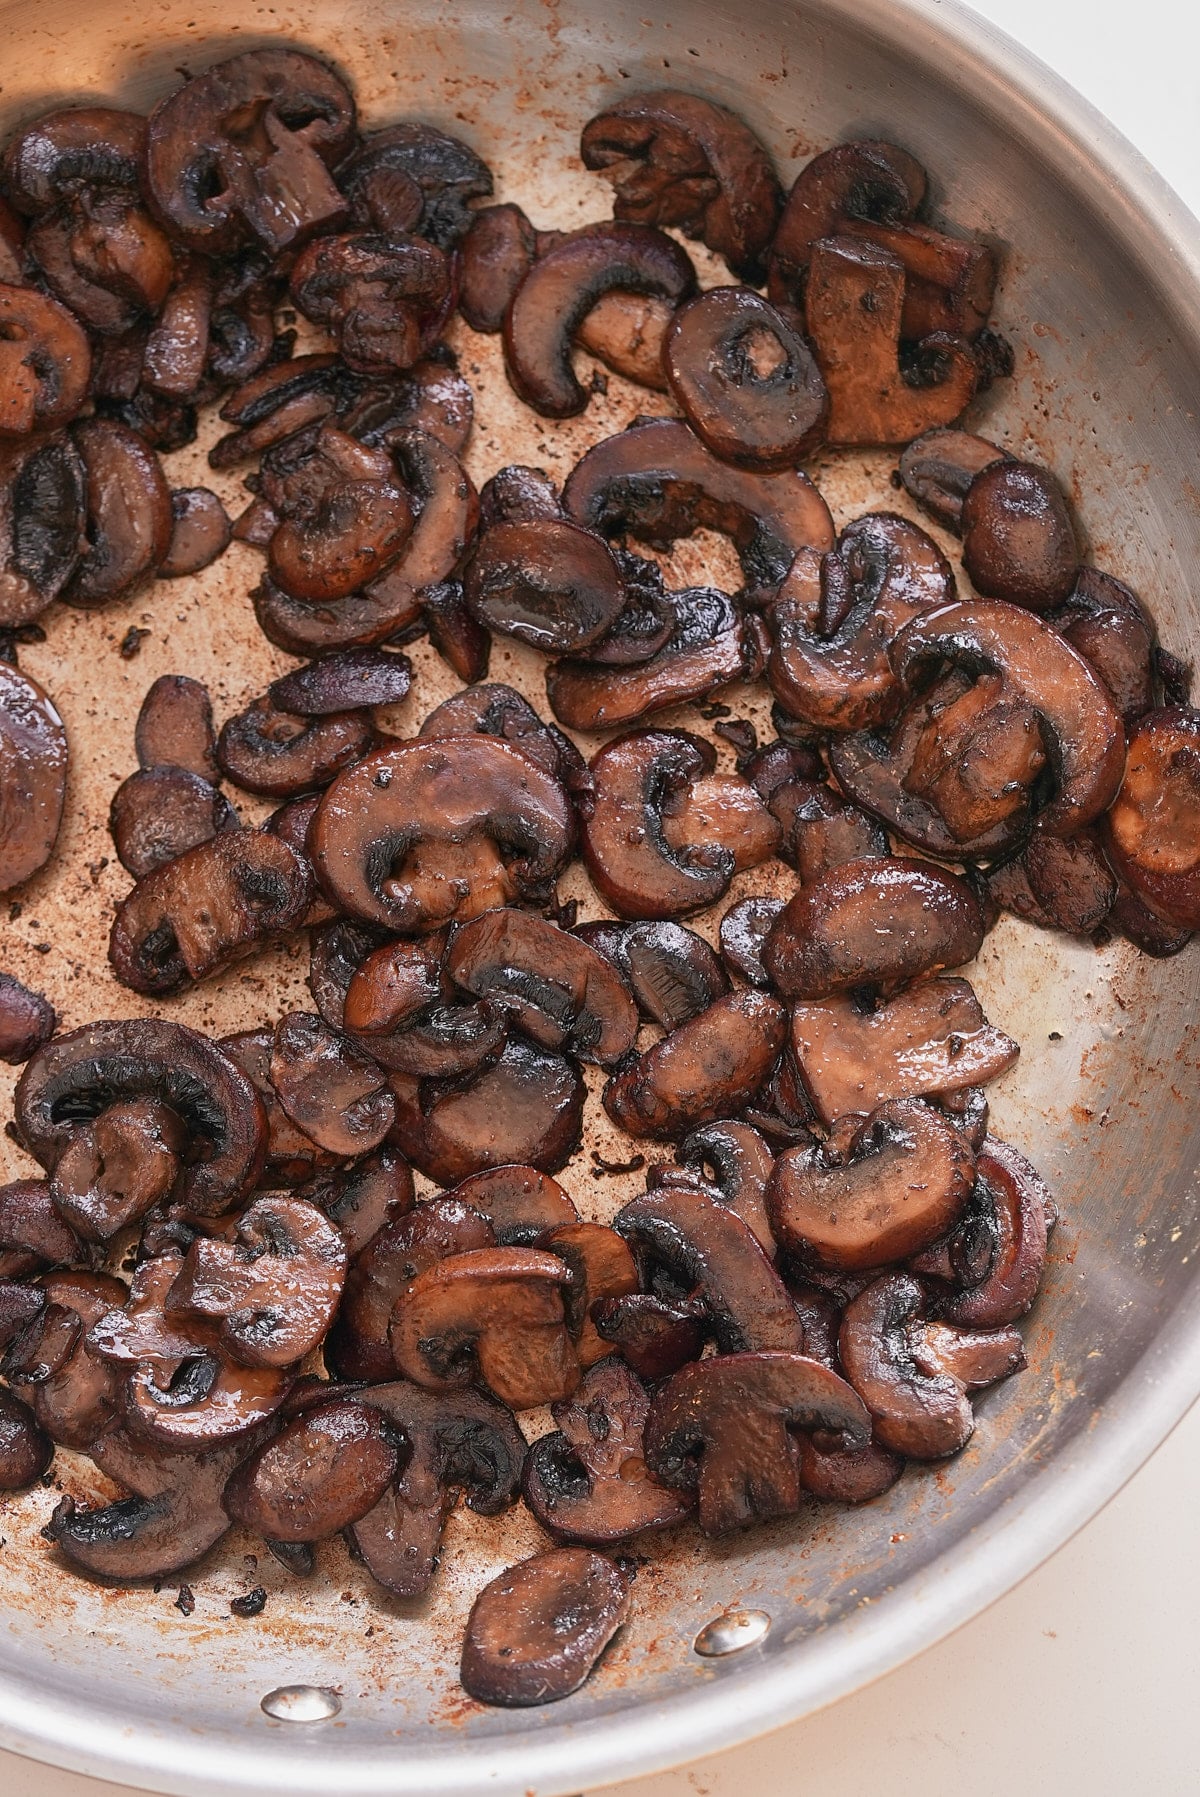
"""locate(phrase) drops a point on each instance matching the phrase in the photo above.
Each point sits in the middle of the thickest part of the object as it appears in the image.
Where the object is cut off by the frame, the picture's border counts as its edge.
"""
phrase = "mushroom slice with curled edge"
(733, 1164)
(33, 777)
(33, 1234)
(200, 532)
(526, 1107)
(244, 150)
(702, 1070)
(141, 1331)
(724, 1429)
(653, 1335)
(1106, 621)
(79, 1076)
(383, 296)
(273, 752)
(497, 253)
(363, 1198)
(1152, 831)
(358, 1342)
(45, 362)
(930, 1040)
(329, 1086)
(520, 1204)
(880, 922)
(324, 1470)
(877, 1191)
(676, 159)
(25, 1450)
(1085, 743)
(604, 1269)
(116, 1169)
(175, 727)
(458, 1442)
(937, 470)
(349, 680)
(42, 520)
(711, 645)
(273, 1290)
(588, 1481)
(626, 331)
(546, 582)
(401, 1006)
(549, 982)
(431, 397)
(854, 303)
(745, 379)
(159, 813)
(563, 285)
(431, 832)
(666, 833)
(821, 830)
(647, 619)
(185, 1406)
(836, 615)
(379, 178)
(1018, 541)
(81, 1396)
(495, 1314)
(129, 513)
(197, 914)
(537, 1631)
(27, 1020)
(996, 1255)
(658, 482)
(912, 1374)
(357, 531)
(672, 973)
(292, 1156)
(494, 709)
(744, 929)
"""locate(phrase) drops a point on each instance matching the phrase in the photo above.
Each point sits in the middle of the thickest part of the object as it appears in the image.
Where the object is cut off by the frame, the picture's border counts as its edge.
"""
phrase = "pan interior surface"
(1100, 302)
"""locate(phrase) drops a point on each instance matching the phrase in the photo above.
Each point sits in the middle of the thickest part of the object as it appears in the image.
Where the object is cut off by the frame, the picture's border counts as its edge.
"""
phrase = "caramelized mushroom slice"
(292, 1156)
(526, 1107)
(273, 752)
(116, 1169)
(854, 305)
(1153, 828)
(77, 1401)
(627, 331)
(431, 397)
(676, 159)
(724, 1429)
(497, 710)
(365, 1197)
(27, 1020)
(744, 930)
(497, 253)
(377, 179)
(336, 953)
(745, 379)
(1070, 880)
(323, 1471)
(45, 362)
(546, 582)
(42, 520)
(25, 1451)
(176, 348)
(672, 973)
(844, 1475)
(244, 150)
(877, 1191)
(937, 469)
(1106, 621)
(175, 727)
(563, 285)
(350, 680)
(32, 1233)
(604, 1269)
(33, 777)
(382, 296)
(129, 513)
(655, 1336)
(492, 1313)
(996, 1256)
(205, 1402)
(536, 1632)
(212, 905)
(733, 1164)
(928, 1041)
(1018, 542)
(200, 532)
(666, 834)
(913, 1375)
(400, 1004)
(518, 495)
(836, 615)
(520, 1203)
(357, 531)
(160, 813)
(428, 832)
(705, 1069)
(329, 1086)
(588, 1481)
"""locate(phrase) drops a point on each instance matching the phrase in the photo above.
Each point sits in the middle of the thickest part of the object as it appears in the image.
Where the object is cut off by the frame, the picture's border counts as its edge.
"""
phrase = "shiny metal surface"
(1101, 295)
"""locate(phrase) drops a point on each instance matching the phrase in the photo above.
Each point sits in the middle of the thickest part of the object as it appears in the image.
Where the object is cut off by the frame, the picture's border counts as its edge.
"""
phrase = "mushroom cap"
(535, 1633)
(323, 1471)
(34, 759)
(706, 1068)
(1151, 830)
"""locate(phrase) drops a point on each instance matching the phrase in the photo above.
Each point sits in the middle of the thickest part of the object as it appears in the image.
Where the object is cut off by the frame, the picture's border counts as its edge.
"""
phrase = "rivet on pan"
(731, 1632)
(302, 1703)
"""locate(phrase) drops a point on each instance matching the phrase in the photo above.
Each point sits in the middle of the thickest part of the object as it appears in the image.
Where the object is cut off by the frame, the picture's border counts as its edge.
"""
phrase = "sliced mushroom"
(672, 973)
(525, 1108)
(1018, 542)
(129, 513)
(497, 253)
(937, 469)
(626, 331)
(245, 149)
(269, 751)
(200, 532)
(604, 1269)
(704, 1069)
(25, 1451)
(1152, 830)
(32, 1233)
(177, 345)
(430, 397)
(518, 495)
(913, 1375)
(45, 362)
(655, 1336)
(212, 905)
(323, 1471)
(357, 531)
(492, 1313)
(547, 582)
(648, 617)
(292, 1156)
(42, 520)
(996, 1256)
(1070, 880)
(536, 1632)
(497, 710)
(383, 296)
(402, 1006)
(175, 727)
(329, 1086)
(744, 930)
(365, 1197)
(724, 1428)
(75, 1403)
(160, 813)
(844, 1475)
(1106, 621)
(927, 1041)
(745, 379)
(20, 1305)
(677, 159)
(426, 832)
(733, 1164)
(116, 1169)
(27, 1020)
(33, 777)
(520, 1203)
(446, 173)
(351, 680)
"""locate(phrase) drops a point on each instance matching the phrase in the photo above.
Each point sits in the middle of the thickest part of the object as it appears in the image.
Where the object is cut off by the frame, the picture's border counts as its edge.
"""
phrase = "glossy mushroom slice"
(160, 813)
(546, 582)
(604, 1271)
(676, 159)
(33, 777)
(274, 752)
(1106, 621)
(937, 469)
(352, 535)
(1018, 541)
(1151, 830)
(77, 1077)
(128, 509)
(204, 1401)
(520, 1204)
(744, 931)
(200, 532)
(537, 1631)
(653, 1335)
(431, 397)
(329, 1086)
(410, 162)
(1070, 880)
(33, 1234)
(524, 1108)
(244, 150)
(401, 1005)
(836, 615)
(42, 521)
(854, 304)
(666, 833)
(672, 973)
(25, 1450)
(324, 1470)
(212, 905)
(45, 362)
(733, 1164)
(27, 1020)
(704, 1069)
(292, 1156)
(362, 1199)
(428, 832)
(912, 1374)
(930, 1040)
(81, 1396)
(745, 379)
(175, 727)
(455, 1443)
(588, 1481)
(658, 482)
(116, 1169)
(349, 680)
(724, 1428)
(384, 297)
(497, 253)
(562, 286)
(493, 709)
(495, 1314)
(995, 1257)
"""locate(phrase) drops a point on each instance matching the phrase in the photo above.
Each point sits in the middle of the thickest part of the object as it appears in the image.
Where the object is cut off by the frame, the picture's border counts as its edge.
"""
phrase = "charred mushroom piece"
(329, 1086)
(42, 520)
(458, 637)
(996, 1256)
(428, 832)
(378, 177)
(81, 1398)
(672, 973)
(937, 470)
(212, 905)
(160, 813)
(116, 1169)
(323, 1471)
(292, 1156)
(129, 513)
(545, 582)
(676, 159)
(704, 1069)
(604, 1270)
(745, 379)
(32, 1233)
(200, 532)
(33, 777)
(25, 1451)
(1018, 542)
(1153, 828)
(913, 1375)
(724, 1429)
(492, 1313)
(525, 1108)
(269, 751)
(351, 680)
(876, 1192)
(854, 306)
(588, 1481)
(497, 253)
(244, 150)
(744, 931)
(655, 1336)
(383, 296)
(45, 362)
(175, 727)
(27, 1020)
(734, 1165)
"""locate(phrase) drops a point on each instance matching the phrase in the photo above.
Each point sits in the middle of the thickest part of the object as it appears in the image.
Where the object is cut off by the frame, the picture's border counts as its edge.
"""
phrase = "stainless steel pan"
(1101, 295)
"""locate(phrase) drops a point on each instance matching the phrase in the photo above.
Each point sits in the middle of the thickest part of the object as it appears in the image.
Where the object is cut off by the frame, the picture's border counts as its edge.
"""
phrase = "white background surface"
(1086, 1677)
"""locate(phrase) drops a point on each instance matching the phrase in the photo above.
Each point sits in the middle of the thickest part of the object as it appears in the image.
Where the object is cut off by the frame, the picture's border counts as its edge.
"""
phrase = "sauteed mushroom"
(498, 710)
(177, 345)
(937, 470)
(733, 1164)
(402, 1005)
(25, 1451)
(78, 1401)
(745, 379)
(200, 532)
(292, 1156)
(547, 582)
(704, 1069)
(655, 1336)
(116, 1169)
(32, 1233)
(1105, 620)
(329, 1087)
(446, 173)
(175, 727)
(525, 1107)
(42, 520)
(269, 751)
(1018, 542)
(45, 362)
(995, 1257)
(364, 1197)
(1071, 882)
(33, 777)
(160, 813)
(604, 1270)
(27, 1020)
(672, 973)
(497, 253)
(627, 331)
(129, 513)
(349, 680)
(383, 297)
(324, 1470)
(1152, 828)
(744, 929)
(537, 1631)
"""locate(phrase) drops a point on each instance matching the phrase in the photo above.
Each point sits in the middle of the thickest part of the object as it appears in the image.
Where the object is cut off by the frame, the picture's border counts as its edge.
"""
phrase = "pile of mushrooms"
(316, 1278)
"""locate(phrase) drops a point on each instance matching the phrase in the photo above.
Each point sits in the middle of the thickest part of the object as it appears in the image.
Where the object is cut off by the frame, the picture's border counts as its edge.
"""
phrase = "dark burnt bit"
(251, 1603)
